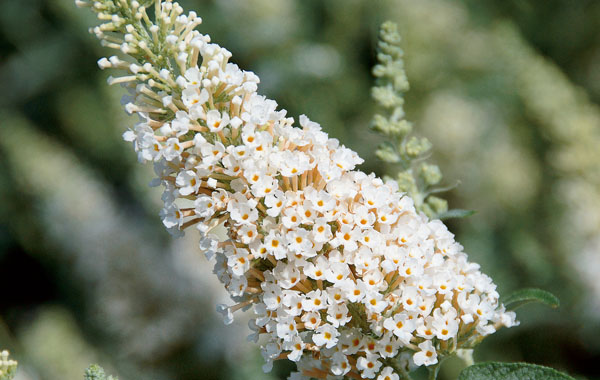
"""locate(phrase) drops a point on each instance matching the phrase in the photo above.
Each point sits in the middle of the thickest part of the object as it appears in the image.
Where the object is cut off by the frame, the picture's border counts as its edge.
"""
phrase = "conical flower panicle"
(343, 276)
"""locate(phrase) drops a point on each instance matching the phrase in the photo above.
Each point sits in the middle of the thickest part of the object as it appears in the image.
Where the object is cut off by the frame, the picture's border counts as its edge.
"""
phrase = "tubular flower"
(343, 275)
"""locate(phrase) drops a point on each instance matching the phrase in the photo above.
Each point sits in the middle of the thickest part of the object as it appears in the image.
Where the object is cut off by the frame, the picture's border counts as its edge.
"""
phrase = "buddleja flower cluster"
(8, 367)
(343, 276)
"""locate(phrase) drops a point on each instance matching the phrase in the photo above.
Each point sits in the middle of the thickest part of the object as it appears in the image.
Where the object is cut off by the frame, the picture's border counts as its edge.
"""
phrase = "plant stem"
(433, 371)
(404, 375)
(399, 370)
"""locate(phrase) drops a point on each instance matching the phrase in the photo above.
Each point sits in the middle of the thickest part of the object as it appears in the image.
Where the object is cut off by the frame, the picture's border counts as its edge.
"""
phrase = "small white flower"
(326, 335)
(287, 276)
(427, 356)
(244, 214)
(322, 231)
(275, 201)
(181, 124)
(401, 326)
(173, 149)
(388, 374)
(368, 365)
(171, 216)
(445, 325)
(226, 312)
(338, 315)
(248, 233)
(311, 320)
(319, 270)
(339, 364)
(374, 302)
(239, 263)
(296, 347)
(388, 346)
(276, 245)
(353, 291)
(237, 286)
(193, 77)
(194, 99)
(204, 206)
(347, 237)
(286, 329)
(216, 121)
(188, 182)
(315, 301)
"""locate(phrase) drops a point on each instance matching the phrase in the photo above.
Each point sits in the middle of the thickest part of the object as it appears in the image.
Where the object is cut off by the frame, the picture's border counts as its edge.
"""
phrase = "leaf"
(455, 213)
(529, 295)
(511, 371)
(437, 190)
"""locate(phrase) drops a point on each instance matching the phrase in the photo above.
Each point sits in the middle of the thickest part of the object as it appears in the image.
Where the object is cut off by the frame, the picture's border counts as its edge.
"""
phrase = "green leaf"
(511, 371)
(529, 295)
(455, 213)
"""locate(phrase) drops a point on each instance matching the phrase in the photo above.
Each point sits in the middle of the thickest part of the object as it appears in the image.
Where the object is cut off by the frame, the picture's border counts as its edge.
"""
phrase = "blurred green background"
(507, 90)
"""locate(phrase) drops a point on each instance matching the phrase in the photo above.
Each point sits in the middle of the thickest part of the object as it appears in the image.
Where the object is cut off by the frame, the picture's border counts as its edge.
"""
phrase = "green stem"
(433, 371)
(399, 370)
(404, 375)
(359, 318)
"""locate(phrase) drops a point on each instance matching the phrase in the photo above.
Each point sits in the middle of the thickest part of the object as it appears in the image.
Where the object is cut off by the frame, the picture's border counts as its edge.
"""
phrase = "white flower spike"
(343, 275)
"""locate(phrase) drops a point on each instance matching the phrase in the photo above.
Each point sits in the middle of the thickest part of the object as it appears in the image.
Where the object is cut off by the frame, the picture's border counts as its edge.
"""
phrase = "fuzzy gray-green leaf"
(511, 371)
(529, 295)
(455, 213)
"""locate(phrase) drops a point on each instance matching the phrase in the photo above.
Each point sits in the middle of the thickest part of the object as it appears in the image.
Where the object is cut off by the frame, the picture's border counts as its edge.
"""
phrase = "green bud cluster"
(429, 174)
(416, 178)
(8, 367)
(95, 372)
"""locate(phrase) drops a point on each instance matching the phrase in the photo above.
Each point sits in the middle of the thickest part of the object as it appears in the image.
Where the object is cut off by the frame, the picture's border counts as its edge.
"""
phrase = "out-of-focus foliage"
(505, 90)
